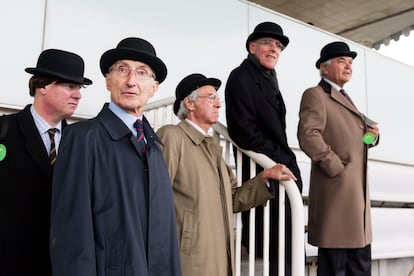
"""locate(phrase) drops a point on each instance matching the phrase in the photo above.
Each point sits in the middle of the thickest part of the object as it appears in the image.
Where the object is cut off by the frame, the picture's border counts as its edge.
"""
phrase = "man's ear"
(189, 104)
(154, 88)
(107, 82)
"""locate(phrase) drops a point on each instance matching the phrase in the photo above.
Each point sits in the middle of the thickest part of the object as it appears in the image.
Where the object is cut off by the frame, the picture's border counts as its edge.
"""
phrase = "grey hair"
(182, 112)
(326, 63)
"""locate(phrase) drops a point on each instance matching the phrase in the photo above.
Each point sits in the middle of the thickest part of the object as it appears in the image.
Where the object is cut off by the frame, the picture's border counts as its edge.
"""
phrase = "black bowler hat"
(137, 49)
(191, 83)
(60, 64)
(335, 49)
(267, 29)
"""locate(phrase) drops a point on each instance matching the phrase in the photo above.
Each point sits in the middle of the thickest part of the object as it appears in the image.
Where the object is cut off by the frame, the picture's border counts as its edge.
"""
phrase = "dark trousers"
(344, 262)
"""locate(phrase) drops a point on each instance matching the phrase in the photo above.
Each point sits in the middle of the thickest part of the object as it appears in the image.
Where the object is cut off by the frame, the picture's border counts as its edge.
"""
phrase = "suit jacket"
(330, 132)
(256, 116)
(25, 194)
(206, 194)
(112, 206)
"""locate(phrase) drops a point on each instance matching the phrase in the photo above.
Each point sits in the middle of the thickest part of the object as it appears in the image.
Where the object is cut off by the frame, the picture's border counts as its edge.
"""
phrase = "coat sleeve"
(72, 245)
(312, 122)
(170, 150)
(251, 194)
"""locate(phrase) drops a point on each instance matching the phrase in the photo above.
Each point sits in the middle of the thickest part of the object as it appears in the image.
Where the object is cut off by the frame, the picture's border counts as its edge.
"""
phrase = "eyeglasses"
(139, 73)
(271, 43)
(212, 98)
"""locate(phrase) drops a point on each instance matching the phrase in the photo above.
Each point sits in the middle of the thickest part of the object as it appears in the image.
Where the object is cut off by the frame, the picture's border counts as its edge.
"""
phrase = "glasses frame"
(267, 42)
(211, 98)
(124, 71)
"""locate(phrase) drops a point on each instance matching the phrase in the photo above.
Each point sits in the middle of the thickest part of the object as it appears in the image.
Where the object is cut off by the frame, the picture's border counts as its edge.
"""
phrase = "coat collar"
(196, 136)
(337, 96)
(263, 84)
(118, 130)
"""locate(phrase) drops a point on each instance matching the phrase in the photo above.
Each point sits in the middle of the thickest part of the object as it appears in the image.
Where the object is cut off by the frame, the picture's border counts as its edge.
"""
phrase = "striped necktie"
(139, 126)
(52, 154)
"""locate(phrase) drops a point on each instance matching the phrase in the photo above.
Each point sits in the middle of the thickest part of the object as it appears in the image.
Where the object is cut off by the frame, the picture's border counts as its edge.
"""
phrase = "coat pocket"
(187, 233)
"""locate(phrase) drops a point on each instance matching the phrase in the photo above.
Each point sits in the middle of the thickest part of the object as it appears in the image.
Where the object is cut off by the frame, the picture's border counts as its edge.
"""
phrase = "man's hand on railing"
(278, 172)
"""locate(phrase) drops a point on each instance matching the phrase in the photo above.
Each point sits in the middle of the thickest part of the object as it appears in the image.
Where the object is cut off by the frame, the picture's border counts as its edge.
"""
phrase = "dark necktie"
(52, 153)
(343, 92)
(140, 134)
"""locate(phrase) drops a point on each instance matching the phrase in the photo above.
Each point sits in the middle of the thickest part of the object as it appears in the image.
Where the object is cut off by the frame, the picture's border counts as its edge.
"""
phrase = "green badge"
(2, 152)
(368, 138)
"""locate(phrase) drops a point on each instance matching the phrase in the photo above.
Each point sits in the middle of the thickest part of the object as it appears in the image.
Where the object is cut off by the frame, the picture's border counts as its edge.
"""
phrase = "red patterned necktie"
(52, 153)
(140, 134)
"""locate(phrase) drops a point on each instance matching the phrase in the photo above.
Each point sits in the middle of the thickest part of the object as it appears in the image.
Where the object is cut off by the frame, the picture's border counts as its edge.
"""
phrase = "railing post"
(298, 228)
(282, 234)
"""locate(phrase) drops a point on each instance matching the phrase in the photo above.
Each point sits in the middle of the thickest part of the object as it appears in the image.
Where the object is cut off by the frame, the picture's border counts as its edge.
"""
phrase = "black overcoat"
(256, 121)
(112, 208)
(256, 116)
(25, 193)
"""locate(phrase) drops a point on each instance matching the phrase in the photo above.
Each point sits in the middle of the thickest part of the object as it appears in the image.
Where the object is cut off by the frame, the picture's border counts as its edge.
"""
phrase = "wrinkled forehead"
(132, 64)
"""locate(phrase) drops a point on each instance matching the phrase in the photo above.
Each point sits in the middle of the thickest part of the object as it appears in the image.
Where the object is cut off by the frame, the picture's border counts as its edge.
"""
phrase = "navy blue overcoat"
(112, 207)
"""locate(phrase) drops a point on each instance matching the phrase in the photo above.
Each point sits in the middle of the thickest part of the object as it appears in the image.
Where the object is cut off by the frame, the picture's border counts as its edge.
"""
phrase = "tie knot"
(138, 124)
(52, 132)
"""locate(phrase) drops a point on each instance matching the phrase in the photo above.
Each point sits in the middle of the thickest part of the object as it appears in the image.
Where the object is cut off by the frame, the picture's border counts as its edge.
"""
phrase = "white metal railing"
(295, 198)
(160, 113)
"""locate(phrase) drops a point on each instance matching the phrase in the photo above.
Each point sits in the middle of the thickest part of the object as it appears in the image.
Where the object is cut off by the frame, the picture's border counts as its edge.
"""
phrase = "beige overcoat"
(205, 194)
(330, 132)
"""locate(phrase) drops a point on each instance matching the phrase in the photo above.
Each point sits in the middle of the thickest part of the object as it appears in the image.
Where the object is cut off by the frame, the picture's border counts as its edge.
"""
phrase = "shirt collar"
(125, 117)
(208, 133)
(41, 124)
(334, 85)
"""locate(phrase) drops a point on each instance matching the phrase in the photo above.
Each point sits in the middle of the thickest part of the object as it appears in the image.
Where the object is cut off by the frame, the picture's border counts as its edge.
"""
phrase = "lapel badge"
(2, 152)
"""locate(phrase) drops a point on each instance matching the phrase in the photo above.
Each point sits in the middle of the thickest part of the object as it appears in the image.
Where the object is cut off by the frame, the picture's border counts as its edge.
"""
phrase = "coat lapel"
(34, 144)
(118, 130)
(265, 91)
(338, 97)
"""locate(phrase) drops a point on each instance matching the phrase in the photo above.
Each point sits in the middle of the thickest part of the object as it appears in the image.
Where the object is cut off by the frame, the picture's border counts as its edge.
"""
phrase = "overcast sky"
(402, 50)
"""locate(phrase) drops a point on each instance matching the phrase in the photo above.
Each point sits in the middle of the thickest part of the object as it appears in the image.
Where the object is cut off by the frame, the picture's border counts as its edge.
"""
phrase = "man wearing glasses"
(205, 189)
(255, 113)
(112, 204)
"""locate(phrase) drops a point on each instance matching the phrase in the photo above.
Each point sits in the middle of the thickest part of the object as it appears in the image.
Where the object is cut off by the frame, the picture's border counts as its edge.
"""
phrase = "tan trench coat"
(205, 197)
(330, 132)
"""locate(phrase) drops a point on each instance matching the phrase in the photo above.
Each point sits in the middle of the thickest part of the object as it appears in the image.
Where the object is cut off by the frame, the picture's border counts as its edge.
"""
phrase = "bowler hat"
(61, 64)
(268, 29)
(137, 49)
(191, 83)
(335, 49)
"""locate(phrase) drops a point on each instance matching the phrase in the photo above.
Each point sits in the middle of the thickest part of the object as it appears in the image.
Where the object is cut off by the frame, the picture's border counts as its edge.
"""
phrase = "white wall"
(198, 36)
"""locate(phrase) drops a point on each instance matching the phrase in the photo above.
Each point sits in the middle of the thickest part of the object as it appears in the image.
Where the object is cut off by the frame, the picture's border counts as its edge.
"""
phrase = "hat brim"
(208, 81)
(351, 54)
(69, 78)
(112, 56)
(253, 36)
